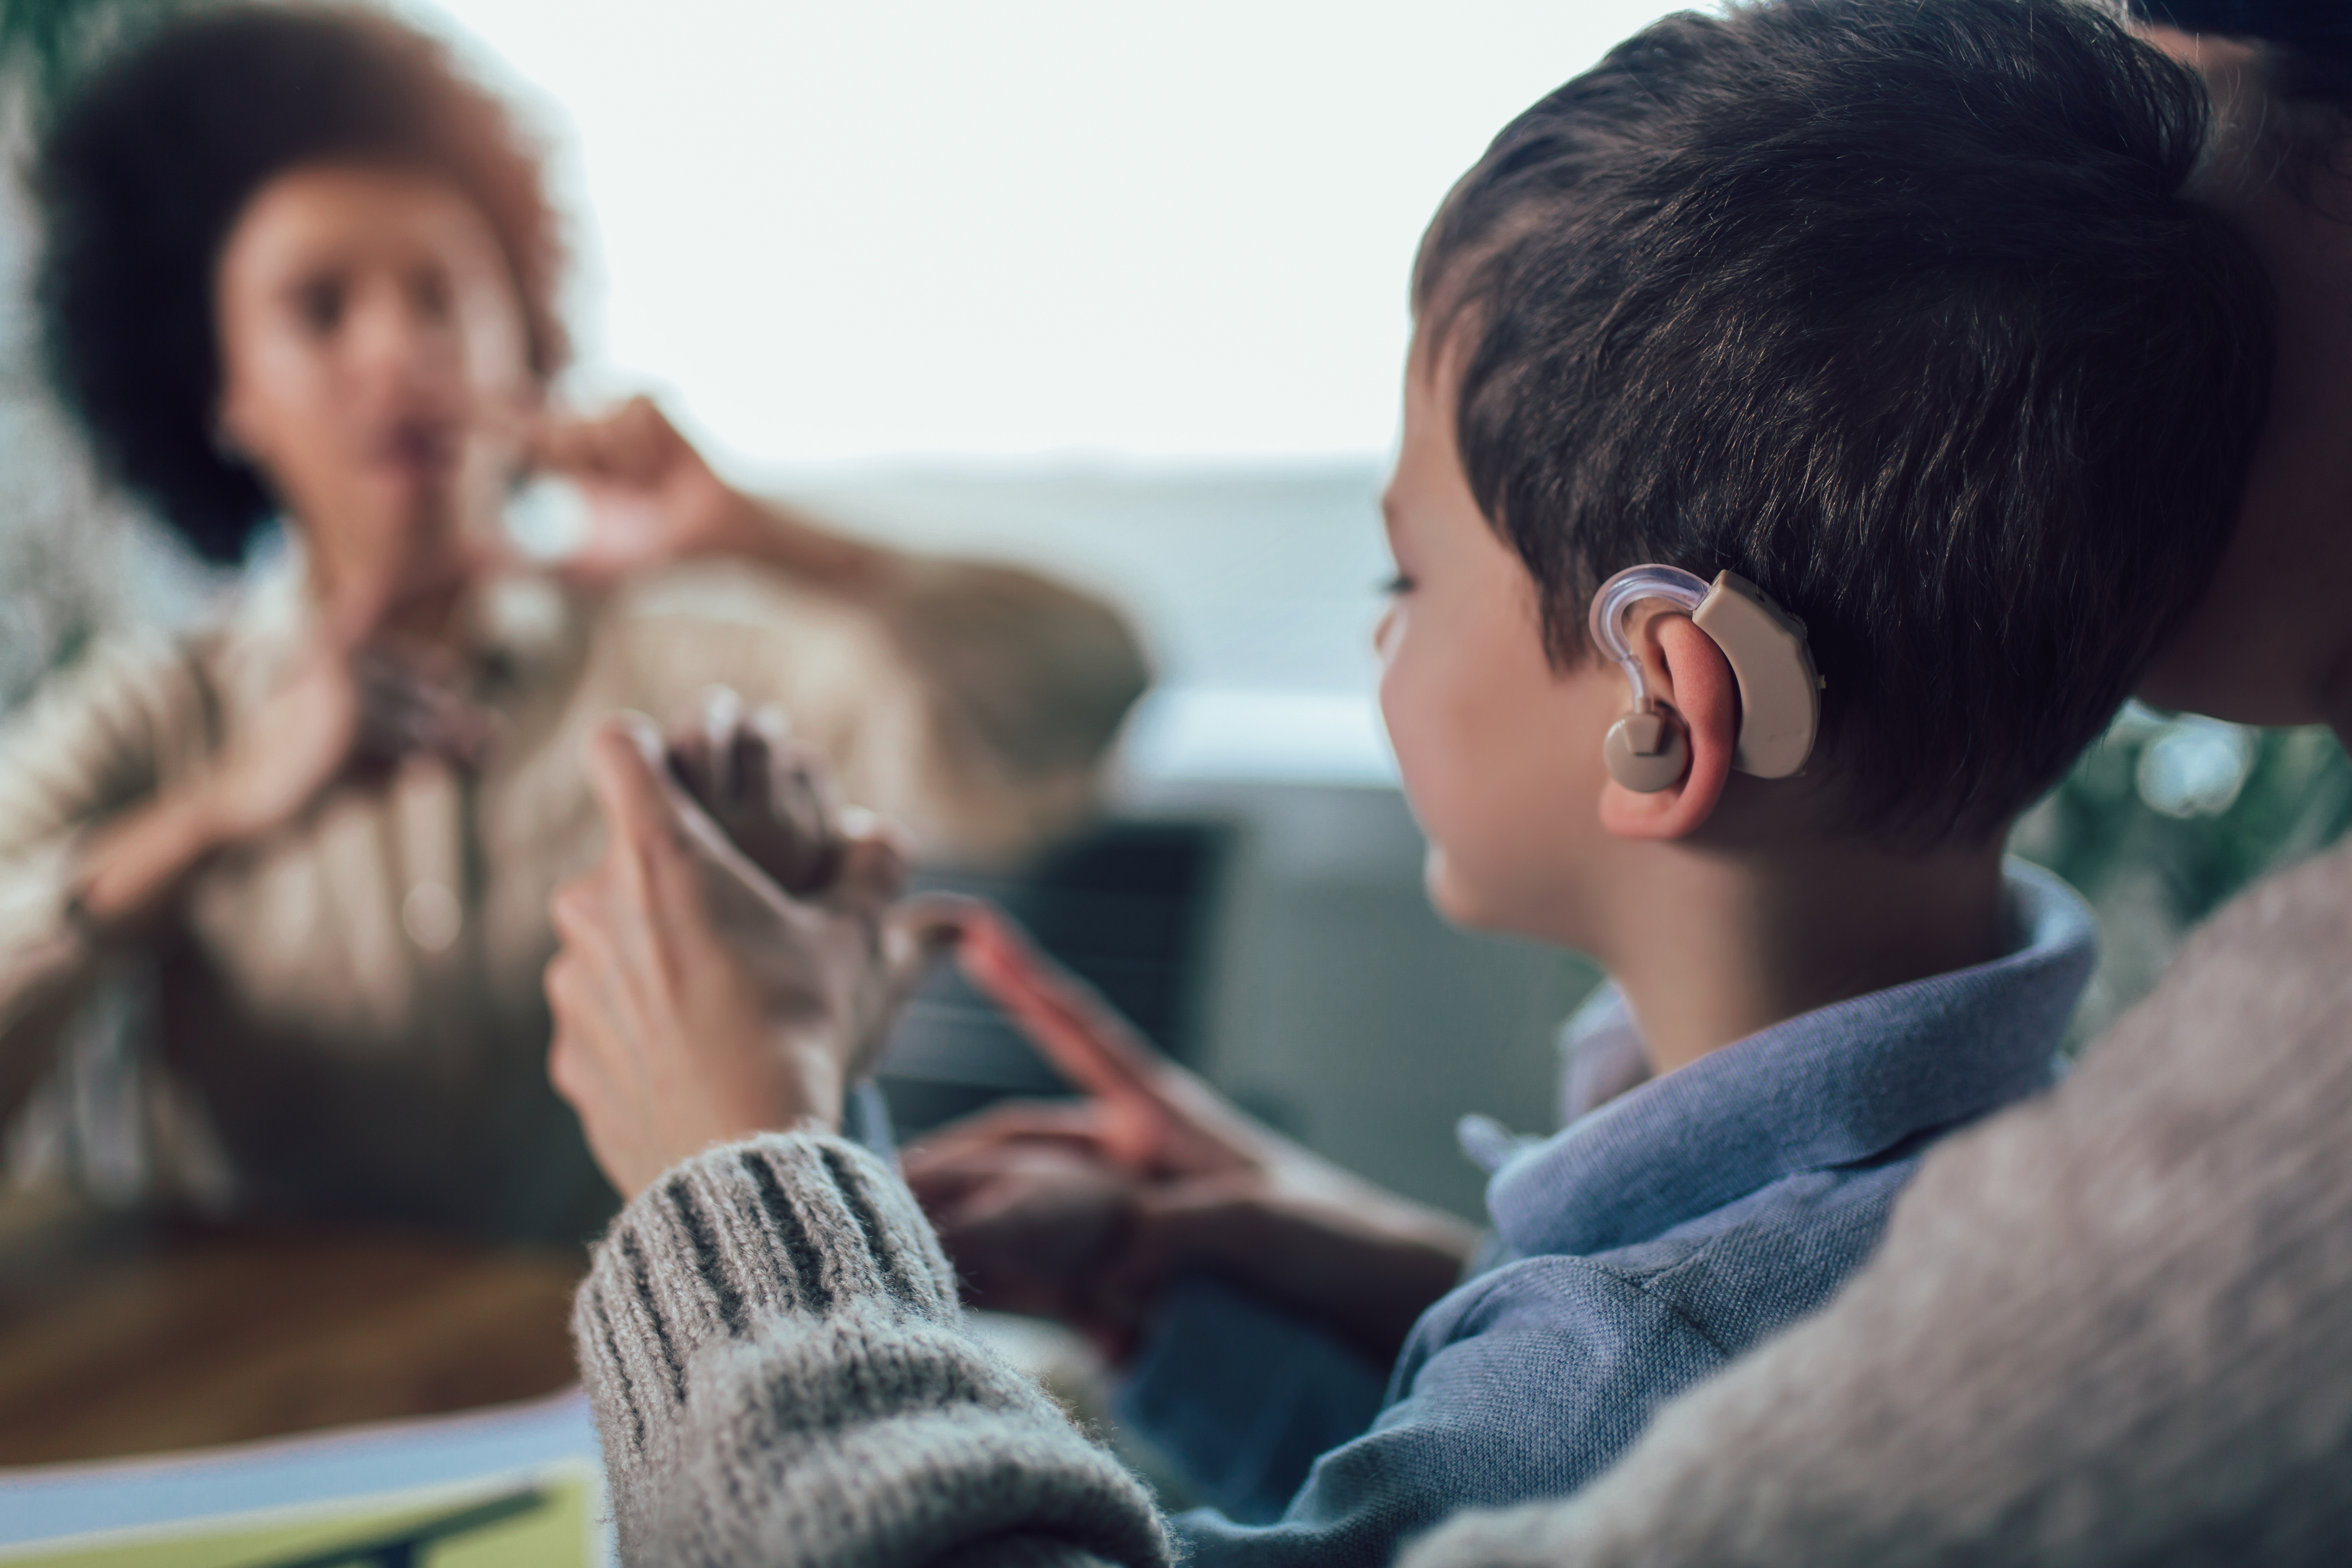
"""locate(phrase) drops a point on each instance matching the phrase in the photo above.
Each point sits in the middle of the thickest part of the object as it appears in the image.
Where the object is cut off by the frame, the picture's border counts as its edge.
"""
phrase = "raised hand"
(772, 797)
(350, 710)
(346, 714)
(1085, 1211)
(652, 500)
(1038, 1223)
(696, 1002)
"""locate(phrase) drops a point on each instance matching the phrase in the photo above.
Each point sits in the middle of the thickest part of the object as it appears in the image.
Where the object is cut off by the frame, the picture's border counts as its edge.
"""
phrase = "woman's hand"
(353, 708)
(698, 1003)
(348, 713)
(1088, 1211)
(652, 500)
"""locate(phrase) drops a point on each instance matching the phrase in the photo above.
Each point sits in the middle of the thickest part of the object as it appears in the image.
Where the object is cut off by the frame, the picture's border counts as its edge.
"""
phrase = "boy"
(1893, 313)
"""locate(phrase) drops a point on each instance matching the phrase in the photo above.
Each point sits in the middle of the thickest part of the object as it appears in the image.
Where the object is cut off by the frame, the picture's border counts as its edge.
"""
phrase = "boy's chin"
(1459, 898)
(1507, 900)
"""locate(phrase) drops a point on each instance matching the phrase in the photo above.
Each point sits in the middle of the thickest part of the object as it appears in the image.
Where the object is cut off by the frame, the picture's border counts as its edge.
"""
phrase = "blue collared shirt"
(1634, 1253)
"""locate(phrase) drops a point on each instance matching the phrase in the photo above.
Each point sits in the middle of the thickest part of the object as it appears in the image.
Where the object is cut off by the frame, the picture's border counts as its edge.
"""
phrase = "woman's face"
(2272, 641)
(373, 369)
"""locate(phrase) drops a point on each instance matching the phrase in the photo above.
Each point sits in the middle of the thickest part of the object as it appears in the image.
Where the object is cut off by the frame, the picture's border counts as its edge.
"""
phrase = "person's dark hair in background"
(143, 178)
(2305, 45)
(1783, 332)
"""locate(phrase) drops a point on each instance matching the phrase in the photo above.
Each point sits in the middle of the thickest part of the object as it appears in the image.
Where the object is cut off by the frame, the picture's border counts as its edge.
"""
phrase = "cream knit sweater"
(2112, 1326)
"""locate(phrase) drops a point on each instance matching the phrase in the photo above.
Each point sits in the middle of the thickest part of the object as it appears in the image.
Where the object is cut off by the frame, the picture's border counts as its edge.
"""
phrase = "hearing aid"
(1780, 691)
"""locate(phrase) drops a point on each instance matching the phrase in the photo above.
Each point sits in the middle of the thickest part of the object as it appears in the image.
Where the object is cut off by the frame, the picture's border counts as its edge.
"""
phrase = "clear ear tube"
(1621, 593)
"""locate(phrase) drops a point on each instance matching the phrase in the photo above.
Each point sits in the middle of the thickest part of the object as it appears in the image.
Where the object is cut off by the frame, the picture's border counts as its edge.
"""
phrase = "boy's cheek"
(1447, 896)
(1442, 790)
(1407, 720)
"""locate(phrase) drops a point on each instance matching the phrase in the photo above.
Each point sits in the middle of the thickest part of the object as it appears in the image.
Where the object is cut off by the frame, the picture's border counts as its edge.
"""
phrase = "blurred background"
(1115, 291)
(1119, 291)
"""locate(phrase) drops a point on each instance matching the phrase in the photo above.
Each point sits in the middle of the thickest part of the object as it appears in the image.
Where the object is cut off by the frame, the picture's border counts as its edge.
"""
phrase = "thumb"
(626, 770)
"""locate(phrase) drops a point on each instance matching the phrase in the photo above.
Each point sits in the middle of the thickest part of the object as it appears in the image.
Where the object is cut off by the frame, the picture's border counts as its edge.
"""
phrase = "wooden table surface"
(126, 1336)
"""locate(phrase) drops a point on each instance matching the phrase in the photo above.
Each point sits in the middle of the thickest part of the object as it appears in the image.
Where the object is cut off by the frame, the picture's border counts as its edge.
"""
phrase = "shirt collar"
(519, 629)
(1838, 1085)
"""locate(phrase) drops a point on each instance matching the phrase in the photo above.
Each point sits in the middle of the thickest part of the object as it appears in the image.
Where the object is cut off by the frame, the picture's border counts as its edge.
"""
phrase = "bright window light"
(847, 231)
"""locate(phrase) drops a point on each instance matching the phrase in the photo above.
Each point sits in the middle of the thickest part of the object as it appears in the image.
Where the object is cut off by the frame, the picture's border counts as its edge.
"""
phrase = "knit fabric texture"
(770, 1338)
(2112, 1326)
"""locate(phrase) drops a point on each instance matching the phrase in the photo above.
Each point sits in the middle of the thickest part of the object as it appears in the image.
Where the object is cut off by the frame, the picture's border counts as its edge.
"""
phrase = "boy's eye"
(1396, 585)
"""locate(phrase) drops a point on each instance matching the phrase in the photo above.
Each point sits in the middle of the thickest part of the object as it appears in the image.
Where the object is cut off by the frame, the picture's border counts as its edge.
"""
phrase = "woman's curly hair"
(145, 171)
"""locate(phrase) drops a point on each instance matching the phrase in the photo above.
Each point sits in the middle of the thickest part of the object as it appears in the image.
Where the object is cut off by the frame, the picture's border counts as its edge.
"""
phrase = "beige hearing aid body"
(1780, 691)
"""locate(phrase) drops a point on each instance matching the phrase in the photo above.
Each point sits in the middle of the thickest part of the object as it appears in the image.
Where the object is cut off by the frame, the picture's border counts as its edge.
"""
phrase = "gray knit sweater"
(779, 1371)
(2112, 1327)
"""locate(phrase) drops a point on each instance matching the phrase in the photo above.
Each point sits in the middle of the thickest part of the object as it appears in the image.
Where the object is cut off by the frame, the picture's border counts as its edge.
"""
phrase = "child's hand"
(1154, 1175)
(772, 797)
(1037, 1221)
(696, 1003)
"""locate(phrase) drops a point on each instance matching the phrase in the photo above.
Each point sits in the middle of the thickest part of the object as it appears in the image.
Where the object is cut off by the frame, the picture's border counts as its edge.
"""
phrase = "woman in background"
(298, 266)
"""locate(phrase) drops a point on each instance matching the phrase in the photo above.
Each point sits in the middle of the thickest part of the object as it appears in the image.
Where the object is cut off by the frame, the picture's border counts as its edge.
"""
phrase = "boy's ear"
(1689, 674)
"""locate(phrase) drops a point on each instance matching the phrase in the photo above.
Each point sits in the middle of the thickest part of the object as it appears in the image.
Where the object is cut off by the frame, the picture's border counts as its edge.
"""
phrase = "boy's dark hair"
(1897, 310)
(146, 170)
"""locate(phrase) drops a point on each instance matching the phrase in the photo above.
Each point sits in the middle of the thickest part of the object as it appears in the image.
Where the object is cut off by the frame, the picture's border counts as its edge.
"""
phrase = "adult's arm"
(772, 1343)
(82, 762)
(2111, 1326)
(971, 701)
(778, 1368)
(770, 1334)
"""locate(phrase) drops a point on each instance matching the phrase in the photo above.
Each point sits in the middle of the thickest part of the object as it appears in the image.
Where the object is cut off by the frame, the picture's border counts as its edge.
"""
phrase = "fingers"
(578, 913)
(623, 756)
(633, 444)
(402, 713)
(573, 1065)
(657, 891)
(1075, 1123)
(581, 1060)
(797, 789)
(1084, 1039)
(404, 709)
(874, 861)
(773, 797)
(1182, 1226)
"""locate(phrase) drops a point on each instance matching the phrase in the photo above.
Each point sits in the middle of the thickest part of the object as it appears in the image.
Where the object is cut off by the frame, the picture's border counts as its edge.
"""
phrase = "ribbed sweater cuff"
(770, 1339)
(783, 1224)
